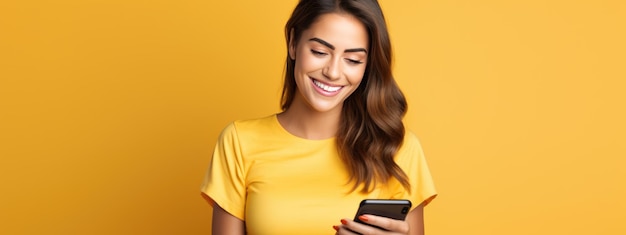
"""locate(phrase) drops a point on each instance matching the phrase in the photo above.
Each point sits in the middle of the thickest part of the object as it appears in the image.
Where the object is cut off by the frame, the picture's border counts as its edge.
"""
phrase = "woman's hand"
(413, 225)
(392, 226)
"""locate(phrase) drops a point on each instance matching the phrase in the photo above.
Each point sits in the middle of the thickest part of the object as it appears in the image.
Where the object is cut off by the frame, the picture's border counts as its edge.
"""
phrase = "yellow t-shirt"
(282, 184)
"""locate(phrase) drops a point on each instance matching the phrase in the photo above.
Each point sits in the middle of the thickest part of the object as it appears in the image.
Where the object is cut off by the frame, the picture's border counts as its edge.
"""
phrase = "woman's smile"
(326, 89)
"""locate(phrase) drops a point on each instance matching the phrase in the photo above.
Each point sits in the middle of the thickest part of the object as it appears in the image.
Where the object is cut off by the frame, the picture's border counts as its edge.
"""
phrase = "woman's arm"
(225, 223)
(415, 218)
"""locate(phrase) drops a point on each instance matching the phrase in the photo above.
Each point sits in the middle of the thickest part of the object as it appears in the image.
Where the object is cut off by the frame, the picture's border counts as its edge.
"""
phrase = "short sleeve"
(224, 181)
(411, 159)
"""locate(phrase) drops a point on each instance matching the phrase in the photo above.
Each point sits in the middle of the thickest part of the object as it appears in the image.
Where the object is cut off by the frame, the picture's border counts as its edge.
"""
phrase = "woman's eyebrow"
(325, 43)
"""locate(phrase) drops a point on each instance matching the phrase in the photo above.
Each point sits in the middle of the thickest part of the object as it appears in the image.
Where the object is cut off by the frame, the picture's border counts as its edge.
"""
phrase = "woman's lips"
(325, 87)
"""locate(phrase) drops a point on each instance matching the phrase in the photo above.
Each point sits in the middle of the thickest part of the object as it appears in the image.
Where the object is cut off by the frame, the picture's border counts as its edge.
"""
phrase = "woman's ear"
(292, 46)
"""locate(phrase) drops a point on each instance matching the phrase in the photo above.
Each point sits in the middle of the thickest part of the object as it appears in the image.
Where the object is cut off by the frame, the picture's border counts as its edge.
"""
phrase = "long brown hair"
(371, 129)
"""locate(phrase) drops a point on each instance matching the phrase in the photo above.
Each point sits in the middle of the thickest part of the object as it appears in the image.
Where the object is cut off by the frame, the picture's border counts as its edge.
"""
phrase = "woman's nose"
(332, 71)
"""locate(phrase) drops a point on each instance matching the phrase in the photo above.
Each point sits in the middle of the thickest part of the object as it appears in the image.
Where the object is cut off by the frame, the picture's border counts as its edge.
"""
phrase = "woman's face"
(330, 60)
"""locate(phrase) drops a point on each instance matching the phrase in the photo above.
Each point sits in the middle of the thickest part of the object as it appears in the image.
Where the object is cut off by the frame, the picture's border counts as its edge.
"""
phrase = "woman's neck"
(303, 121)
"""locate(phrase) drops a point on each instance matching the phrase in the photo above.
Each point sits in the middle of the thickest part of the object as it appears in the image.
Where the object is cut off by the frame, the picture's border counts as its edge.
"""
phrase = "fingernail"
(363, 218)
(336, 228)
(344, 222)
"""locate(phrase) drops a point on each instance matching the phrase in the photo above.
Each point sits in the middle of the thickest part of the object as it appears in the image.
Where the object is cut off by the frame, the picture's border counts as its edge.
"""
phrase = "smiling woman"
(107, 107)
(340, 138)
(330, 65)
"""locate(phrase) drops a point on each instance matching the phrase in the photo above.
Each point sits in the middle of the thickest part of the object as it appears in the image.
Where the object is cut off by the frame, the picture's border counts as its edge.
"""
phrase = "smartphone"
(390, 208)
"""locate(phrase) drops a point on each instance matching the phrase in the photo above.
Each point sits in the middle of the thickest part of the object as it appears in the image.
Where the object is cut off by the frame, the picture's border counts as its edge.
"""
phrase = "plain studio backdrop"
(109, 110)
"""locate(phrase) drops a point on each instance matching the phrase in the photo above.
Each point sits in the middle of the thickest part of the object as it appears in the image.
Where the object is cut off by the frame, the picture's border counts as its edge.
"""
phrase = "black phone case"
(390, 208)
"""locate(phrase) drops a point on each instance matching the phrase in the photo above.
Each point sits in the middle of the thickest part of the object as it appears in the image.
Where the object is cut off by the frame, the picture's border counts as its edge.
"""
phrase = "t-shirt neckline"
(292, 136)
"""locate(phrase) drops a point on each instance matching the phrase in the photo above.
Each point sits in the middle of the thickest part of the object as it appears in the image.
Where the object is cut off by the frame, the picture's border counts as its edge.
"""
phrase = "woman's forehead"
(340, 30)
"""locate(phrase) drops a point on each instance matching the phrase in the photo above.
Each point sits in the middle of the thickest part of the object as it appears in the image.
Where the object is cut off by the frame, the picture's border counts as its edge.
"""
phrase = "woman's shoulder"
(411, 139)
(262, 122)
(411, 146)
(252, 127)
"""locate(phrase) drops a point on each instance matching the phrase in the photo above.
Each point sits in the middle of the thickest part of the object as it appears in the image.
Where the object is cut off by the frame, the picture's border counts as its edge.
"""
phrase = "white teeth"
(325, 87)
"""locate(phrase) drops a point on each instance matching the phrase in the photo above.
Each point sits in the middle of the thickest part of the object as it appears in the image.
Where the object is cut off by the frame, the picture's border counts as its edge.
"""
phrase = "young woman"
(339, 139)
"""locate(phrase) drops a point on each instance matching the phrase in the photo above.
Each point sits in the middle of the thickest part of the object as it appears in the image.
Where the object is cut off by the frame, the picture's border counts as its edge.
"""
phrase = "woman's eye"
(317, 52)
(354, 61)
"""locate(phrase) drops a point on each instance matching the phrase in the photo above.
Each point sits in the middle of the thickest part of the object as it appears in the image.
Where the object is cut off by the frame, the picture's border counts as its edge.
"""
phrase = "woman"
(339, 139)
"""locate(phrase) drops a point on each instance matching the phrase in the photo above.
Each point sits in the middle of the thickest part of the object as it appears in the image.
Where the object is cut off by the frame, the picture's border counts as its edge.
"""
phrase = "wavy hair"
(371, 129)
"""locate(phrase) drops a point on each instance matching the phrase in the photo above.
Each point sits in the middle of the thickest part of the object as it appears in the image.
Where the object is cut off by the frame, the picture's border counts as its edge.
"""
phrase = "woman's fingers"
(392, 226)
(349, 227)
(398, 226)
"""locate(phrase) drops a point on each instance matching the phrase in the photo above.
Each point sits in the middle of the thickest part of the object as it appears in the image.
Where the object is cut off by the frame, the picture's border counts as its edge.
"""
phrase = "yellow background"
(109, 109)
